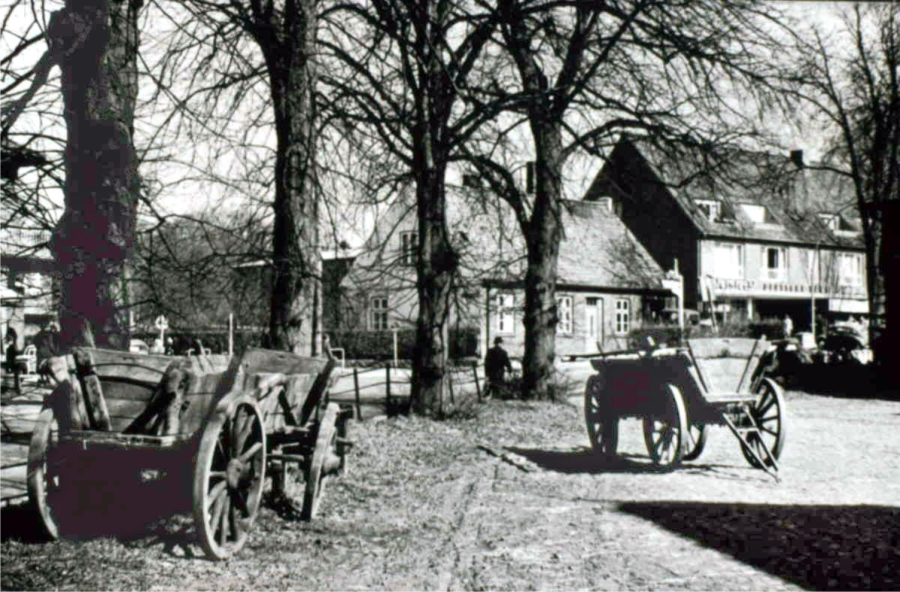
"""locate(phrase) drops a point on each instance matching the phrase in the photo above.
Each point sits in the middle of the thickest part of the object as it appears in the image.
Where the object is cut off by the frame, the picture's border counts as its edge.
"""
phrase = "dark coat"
(496, 363)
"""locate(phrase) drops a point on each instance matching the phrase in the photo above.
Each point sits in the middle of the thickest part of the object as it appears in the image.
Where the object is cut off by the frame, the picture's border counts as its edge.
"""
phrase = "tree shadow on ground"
(127, 510)
(846, 380)
(815, 547)
(585, 461)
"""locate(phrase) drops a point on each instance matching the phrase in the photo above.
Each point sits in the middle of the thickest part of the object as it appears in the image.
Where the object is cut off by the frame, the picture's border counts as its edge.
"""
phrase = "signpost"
(162, 323)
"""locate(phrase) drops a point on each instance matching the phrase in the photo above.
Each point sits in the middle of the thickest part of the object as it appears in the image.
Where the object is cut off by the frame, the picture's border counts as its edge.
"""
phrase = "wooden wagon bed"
(225, 418)
(680, 392)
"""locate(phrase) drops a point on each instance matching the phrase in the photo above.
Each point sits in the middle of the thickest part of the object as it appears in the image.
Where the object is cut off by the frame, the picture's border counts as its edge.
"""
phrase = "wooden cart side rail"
(87, 439)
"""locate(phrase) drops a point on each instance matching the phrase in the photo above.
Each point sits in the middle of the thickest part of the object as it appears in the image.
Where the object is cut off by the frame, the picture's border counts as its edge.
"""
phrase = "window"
(348, 317)
(623, 316)
(409, 245)
(728, 261)
(776, 263)
(756, 213)
(832, 221)
(564, 312)
(710, 208)
(506, 317)
(378, 314)
(851, 269)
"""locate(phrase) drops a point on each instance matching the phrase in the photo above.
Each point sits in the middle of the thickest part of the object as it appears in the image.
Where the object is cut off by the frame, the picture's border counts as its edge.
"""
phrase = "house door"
(594, 323)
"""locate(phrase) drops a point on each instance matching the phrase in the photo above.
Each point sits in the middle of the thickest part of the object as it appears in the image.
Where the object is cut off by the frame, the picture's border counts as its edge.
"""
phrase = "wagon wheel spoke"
(239, 499)
(768, 431)
(216, 492)
(251, 452)
(224, 522)
(765, 404)
(235, 528)
(218, 505)
(243, 425)
(228, 480)
(220, 448)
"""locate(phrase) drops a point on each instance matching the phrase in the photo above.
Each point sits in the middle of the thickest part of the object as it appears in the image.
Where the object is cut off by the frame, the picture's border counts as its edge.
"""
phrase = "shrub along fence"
(379, 345)
(671, 335)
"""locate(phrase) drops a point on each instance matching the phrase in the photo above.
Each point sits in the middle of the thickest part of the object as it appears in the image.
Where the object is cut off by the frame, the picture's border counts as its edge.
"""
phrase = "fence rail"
(395, 390)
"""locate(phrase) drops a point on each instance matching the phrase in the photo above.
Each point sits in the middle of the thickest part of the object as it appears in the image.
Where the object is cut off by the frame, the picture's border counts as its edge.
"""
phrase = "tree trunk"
(96, 45)
(294, 321)
(436, 270)
(542, 237)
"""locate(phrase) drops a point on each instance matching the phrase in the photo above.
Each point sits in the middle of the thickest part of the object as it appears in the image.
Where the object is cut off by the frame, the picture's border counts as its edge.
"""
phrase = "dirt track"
(432, 506)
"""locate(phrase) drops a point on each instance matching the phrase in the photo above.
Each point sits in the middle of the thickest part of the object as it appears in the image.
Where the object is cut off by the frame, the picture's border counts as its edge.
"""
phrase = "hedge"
(379, 345)
(671, 334)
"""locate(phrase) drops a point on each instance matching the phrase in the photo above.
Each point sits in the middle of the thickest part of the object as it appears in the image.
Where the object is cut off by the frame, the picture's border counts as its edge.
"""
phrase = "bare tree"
(95, 45)
(856, 91)
(403, 76)
(581, 74)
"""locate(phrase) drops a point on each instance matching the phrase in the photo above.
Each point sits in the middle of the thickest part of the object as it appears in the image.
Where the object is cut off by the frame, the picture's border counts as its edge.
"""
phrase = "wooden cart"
(679, 393)
(221, 422)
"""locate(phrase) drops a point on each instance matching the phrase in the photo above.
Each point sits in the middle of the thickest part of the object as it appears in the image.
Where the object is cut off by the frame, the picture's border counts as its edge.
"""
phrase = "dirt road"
(512, 500)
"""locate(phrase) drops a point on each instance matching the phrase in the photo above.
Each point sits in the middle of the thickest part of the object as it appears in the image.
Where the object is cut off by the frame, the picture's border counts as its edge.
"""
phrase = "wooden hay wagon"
(679, 393)
(220, 422)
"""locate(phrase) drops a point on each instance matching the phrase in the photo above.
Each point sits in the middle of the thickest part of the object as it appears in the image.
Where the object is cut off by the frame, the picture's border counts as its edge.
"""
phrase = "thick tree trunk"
(542, 236)
(96, 45)
(436, 270)
(294, 321)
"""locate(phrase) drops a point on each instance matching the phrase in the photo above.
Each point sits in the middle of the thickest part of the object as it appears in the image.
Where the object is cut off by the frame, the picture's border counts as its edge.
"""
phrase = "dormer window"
(838, 224)
(710, 208)
(607, 202)
(832, 221)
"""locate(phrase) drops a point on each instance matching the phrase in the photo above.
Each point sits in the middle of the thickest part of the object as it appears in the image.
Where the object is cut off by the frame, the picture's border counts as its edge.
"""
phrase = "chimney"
(797, 158)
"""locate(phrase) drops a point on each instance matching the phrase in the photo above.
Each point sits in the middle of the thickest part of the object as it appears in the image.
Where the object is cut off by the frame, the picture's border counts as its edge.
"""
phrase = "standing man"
(788, 326)
(496, 363)
(11, 342)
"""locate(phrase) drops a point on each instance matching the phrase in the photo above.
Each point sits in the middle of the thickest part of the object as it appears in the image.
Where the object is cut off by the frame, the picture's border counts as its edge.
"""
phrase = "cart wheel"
(323, 462)
(697, 435)
(229, 473)
(44, 464)
(603, 430)
(768, 411)
(665, 435)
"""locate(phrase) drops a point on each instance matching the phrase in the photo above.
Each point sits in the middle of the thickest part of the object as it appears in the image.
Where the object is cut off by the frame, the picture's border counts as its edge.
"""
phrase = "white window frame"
(564, 315)
(409, 246)
(623, 316)
(854, 261)
(775, 274)
(378, 313)
(714, 208)
(739, 275)
(506, 317)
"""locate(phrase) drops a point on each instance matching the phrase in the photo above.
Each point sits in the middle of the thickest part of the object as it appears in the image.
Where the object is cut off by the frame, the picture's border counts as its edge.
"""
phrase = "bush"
(671, 334)
(214, 341)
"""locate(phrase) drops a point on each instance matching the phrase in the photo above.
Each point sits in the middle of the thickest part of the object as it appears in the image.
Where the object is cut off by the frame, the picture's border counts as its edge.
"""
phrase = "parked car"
(845, 343)
(139, 346)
